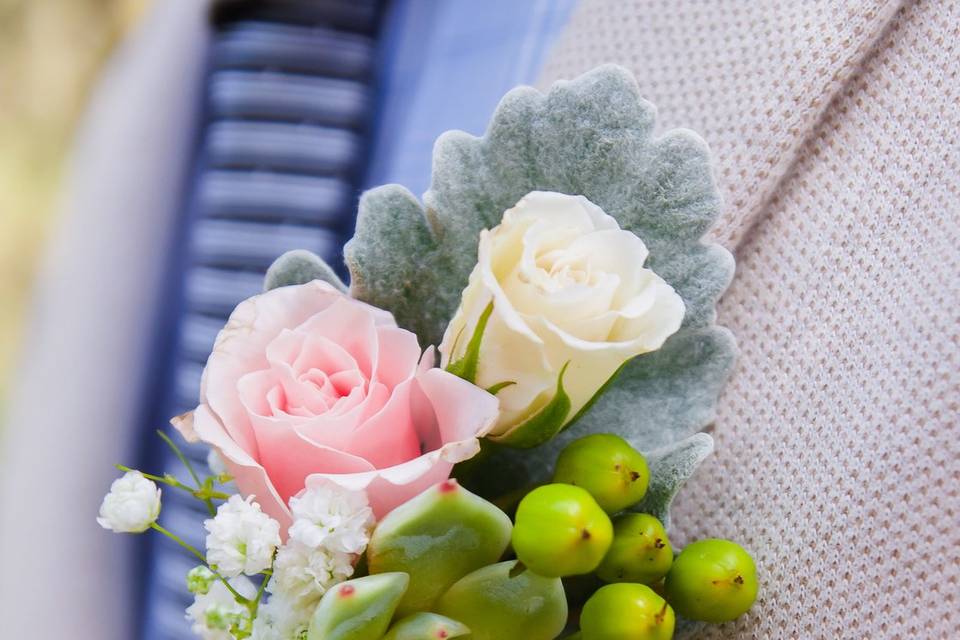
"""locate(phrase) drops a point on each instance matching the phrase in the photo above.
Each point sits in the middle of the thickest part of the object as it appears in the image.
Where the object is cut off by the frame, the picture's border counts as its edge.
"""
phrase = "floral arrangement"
(518, 483)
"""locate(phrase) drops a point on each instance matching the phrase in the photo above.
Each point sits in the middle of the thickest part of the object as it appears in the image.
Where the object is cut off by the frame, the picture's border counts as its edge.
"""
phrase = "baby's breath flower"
(132, 505)
(279, 619)
(302, 575)
(215, 613)
(328, 515)
(241, 538)
(199, 580)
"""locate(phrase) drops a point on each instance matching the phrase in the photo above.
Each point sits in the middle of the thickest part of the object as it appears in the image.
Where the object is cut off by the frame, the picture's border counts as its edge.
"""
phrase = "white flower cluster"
(331, 529)
(132, 505)
(241, 538)
(216, 613)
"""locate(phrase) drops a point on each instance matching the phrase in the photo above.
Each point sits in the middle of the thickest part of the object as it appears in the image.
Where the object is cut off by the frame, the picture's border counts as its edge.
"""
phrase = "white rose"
(568, 288)
(132, 505)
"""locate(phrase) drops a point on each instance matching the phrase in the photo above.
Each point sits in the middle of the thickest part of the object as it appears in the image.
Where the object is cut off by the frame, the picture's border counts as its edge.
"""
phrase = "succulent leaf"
(437, 538)
(359, 609)
(507, 600)
(426, 626)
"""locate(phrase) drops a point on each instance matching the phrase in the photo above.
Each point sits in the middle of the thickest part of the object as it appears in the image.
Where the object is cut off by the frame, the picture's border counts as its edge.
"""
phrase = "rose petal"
(463, 413)
(388, 437)
(251, 477)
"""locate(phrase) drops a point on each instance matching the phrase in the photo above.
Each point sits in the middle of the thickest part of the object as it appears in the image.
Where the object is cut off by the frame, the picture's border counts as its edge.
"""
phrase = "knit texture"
(834, 126)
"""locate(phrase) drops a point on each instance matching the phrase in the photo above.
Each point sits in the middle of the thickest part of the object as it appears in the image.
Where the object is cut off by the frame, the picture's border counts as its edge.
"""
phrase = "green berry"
(506, 600)
(626, 611)
(614, 473)
(712, 580)
(561, 531)
(640, 551)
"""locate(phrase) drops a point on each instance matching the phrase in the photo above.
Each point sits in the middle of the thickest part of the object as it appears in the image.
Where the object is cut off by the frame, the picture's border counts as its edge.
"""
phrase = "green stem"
(196, 478)
(189, 547)
(255, 604)
(170, 481)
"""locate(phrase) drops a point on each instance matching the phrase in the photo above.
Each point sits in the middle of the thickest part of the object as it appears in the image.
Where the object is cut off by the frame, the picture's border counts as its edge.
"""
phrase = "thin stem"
(176, 450)
(255, 604)
(189, 547)
(186, 545)
(170, 481)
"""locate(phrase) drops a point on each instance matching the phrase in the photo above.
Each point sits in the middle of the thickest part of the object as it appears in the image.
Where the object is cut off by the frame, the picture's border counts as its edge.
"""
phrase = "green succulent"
(359, 609)
(426, 626)
(437, 538)
(507, 600)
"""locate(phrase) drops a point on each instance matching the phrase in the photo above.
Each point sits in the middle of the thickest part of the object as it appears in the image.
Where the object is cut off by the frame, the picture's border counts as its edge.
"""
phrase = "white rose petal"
(213, 613)
(567, 286)
(331, 516)
(132, 505)
(241, 538)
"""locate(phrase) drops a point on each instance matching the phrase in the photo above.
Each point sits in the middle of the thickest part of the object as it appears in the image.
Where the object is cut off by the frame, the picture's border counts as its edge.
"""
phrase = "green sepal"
(466, 367)
(545, 424)
(437, 538)
(507, 600)
(426, 626)
(495, 389)
(359, 609)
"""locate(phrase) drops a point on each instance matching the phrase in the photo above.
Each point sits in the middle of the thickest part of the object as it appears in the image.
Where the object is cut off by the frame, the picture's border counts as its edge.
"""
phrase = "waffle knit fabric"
(835, 130)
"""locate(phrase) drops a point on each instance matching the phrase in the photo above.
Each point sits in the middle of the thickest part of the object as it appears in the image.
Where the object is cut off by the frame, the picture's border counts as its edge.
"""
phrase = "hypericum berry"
(604, 464)
(561, 531)
(626, 611)
(640, 552)
(712, 580)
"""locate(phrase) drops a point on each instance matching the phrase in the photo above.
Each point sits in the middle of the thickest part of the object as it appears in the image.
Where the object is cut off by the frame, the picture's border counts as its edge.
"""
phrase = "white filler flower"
(279, 619)
(331, 528)
(241, 538)
(132, 505)
(212, 614)
(302, 575)
(328, 515)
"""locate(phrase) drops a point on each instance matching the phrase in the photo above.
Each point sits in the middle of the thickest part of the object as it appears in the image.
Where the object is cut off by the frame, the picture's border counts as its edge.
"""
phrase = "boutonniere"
(516, 480)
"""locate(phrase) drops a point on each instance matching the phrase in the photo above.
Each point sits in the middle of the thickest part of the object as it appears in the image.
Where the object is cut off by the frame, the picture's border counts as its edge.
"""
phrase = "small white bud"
(199, 580)
(132, 505)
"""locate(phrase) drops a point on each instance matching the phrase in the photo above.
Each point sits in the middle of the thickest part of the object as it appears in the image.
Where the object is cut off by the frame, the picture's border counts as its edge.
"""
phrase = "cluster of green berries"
(436, 567)
(565, 529)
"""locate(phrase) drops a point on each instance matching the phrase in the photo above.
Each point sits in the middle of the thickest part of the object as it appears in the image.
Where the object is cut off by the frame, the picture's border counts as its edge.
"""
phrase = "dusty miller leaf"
(592, 136)
(299, 267)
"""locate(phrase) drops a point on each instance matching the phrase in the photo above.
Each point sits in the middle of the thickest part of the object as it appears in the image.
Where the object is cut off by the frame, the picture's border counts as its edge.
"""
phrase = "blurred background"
(155, 157)
(50, 55)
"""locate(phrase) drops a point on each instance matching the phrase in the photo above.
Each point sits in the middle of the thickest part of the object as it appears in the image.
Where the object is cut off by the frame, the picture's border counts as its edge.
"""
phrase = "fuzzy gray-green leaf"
(594, 136)
(299, 267)
(670, 468)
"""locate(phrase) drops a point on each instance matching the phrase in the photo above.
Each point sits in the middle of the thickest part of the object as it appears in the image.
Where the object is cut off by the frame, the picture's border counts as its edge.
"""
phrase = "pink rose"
(306, 382)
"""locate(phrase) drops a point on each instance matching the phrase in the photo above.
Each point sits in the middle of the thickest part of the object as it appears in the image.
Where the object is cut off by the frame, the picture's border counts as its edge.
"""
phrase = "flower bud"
(132, 505)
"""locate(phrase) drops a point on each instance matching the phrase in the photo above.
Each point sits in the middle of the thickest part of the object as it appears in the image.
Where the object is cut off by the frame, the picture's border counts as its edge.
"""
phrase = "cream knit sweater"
(835, 127)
